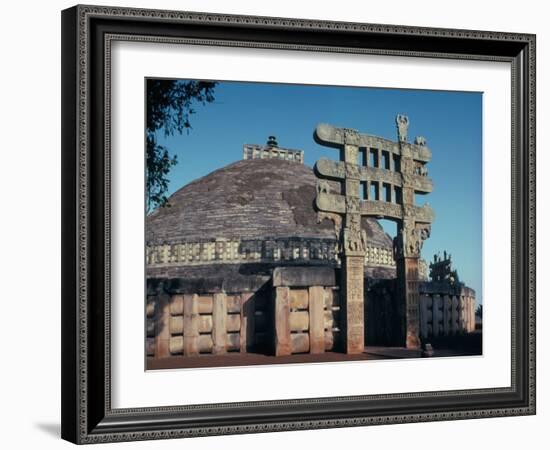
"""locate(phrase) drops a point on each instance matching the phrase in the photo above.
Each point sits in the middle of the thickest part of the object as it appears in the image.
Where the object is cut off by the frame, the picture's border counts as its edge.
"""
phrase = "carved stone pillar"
(454, 315)
(219, 327)
(162, 330)
(437, 314)
(354, 244)
(411, 235)
(353, 310)
(407, 274)
(447, 314)
(316, 319)
(407, 252)
(190, 325)
(425, 307)
(282, 321)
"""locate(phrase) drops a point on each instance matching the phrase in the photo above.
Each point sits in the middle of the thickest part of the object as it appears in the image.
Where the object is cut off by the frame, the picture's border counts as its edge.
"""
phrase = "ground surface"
(371, 353)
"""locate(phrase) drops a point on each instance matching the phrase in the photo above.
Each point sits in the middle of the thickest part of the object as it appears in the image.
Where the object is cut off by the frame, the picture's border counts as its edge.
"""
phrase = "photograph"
(293, 223)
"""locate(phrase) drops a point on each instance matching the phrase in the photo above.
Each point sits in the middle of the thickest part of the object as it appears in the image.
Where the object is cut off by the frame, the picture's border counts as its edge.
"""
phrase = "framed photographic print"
(268, 222)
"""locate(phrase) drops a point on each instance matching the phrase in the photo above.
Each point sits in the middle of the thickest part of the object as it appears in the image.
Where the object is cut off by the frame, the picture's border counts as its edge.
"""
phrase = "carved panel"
(424, 214)
(339, 170)
(330, 135)
(354, 242)
(380, 175)
(352, 205)
(334, 203)
(352, 171)
(378, 208)
(331, 169)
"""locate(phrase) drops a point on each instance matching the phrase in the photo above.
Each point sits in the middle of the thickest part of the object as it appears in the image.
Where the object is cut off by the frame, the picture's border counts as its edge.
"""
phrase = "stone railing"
(296, 310)
(307, 311)
(254, 151)
(265, 250)
(196, 324)
(445, 312)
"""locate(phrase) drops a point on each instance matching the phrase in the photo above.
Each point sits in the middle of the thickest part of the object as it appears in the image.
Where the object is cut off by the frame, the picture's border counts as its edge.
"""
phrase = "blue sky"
(450, 122)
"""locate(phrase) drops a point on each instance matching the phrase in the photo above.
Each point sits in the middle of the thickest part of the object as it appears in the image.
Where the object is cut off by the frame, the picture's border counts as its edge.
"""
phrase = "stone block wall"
(193, 324)
(306, 316)
(296, 310)
(306, 319)
(446, 312)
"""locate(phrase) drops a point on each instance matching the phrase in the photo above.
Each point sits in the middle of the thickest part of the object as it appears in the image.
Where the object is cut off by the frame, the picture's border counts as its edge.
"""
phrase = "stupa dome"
(250, 211)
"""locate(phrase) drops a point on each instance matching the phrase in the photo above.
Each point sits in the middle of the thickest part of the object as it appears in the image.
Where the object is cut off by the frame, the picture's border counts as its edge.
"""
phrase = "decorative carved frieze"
(382, 210)
(270, 250)
(415, 177)
(329, 135)
(334, 203)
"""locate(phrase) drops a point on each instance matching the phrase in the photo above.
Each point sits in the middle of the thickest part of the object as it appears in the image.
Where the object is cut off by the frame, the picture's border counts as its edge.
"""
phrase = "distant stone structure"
(447, 306)
(441, 269)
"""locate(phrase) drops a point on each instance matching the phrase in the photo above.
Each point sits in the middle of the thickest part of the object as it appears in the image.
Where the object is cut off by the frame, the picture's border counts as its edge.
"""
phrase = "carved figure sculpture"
(353, 240)
(420, 140)
(398, 245)
(352, 170)
(335, 218)
(352, 204)
(402, 122)
(364, 239)
(411, 239)
(323, 187)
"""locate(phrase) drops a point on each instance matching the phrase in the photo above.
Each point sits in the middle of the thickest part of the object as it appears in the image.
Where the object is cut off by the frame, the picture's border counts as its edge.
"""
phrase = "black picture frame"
(87, 415)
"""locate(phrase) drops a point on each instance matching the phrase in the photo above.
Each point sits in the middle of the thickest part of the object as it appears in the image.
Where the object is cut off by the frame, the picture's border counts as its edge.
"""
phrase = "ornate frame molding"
(88, 31)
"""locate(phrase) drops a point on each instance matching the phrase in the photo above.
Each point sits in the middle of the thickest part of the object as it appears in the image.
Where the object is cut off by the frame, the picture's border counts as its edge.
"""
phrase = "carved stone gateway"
(382, 186)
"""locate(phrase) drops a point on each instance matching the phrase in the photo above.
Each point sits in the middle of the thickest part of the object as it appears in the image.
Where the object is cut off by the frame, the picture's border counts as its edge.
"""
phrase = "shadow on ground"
(53, 429)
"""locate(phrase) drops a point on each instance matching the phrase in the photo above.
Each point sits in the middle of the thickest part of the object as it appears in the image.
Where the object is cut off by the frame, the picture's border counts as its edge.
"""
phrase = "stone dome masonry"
(250, 211)
(249, 199)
